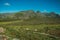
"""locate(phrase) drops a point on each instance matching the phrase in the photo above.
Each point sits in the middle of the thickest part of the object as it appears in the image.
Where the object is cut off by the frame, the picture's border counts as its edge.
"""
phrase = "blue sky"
(19, 5)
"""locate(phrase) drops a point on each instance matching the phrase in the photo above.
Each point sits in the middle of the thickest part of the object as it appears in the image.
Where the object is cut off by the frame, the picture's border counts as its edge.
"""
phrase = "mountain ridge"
(30, 15)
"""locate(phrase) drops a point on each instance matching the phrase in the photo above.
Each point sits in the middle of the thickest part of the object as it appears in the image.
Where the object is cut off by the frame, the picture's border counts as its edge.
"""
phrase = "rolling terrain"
(30, 25)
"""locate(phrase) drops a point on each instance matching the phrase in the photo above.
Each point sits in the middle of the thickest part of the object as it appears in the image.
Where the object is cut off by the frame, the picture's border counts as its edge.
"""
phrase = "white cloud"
(7, 4)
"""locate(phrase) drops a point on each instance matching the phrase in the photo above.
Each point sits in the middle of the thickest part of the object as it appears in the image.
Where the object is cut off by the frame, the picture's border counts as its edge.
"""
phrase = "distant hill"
(31, 16)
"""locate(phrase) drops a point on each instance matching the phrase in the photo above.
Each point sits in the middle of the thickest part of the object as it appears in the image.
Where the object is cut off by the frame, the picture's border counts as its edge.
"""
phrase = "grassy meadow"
(16, 30)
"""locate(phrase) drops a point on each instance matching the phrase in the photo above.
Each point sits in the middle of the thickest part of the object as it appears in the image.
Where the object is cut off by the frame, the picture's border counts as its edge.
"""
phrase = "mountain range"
(32, 16)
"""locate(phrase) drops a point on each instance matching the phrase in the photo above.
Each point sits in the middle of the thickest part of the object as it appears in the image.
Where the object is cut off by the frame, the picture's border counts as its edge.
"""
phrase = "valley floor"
(15, 30)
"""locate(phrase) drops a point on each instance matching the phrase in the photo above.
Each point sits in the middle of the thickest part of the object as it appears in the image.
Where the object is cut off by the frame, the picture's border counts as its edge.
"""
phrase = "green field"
(19, 31)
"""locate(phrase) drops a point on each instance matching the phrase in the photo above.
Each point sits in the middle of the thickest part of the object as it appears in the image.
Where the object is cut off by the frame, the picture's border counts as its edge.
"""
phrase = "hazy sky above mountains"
(19, 5)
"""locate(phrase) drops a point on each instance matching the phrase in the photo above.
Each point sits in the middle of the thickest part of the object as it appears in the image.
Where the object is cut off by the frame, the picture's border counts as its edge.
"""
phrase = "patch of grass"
(14, 29)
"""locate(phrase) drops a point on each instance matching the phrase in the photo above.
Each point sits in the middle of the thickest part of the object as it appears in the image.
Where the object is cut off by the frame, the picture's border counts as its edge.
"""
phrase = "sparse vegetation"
(28, 25)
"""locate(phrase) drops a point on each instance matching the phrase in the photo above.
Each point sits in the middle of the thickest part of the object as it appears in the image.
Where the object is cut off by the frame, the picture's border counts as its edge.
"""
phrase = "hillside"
(31, 16)
(30, 25)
